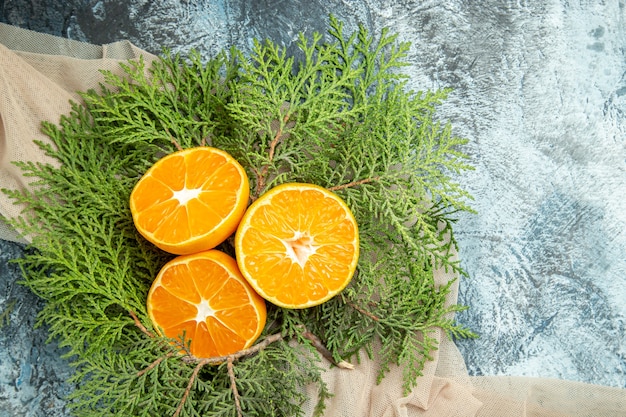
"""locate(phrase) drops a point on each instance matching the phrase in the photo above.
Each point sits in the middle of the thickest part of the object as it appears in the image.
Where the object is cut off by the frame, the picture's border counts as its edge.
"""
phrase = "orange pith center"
(300, 248)
(186, 194)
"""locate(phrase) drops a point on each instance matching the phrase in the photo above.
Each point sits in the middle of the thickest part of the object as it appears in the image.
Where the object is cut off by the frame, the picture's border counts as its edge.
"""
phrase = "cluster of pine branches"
(339, 116)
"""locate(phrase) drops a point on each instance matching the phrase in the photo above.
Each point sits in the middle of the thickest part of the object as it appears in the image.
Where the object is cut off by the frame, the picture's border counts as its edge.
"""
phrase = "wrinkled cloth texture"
(39, 77)
(39, 74)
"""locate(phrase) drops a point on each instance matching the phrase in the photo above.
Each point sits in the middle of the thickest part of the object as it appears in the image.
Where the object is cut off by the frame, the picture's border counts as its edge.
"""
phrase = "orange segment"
(190, 200)
(298, 245)
(204, 297)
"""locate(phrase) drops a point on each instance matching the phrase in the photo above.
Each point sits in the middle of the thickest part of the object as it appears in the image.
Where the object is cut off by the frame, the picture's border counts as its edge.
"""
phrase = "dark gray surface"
(540, 91)
(32, 373)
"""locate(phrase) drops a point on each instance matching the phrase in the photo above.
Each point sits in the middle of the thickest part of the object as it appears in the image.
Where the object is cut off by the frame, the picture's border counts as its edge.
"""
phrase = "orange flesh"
(298, 248)
(191, 200)
(203, 298)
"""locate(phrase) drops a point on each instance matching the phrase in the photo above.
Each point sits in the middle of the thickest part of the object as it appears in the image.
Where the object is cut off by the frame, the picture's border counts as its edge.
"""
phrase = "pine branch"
(353, 184)
(262, 173)
(192, 379)
(233, 386)
(340, 116)
(323, 350)
(361, 310)
(140, 325)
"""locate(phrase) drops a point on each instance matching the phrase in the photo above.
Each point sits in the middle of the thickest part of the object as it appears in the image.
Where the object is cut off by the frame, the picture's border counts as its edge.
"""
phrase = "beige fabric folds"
(446, 390)
(40, 74)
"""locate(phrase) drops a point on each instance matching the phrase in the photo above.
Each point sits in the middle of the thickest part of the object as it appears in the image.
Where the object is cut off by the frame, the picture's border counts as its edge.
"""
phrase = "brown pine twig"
(259, 184)
(233, 386)
(277, 137)
(229, 359)
(323, 350)
(139, 324)
(154, 364)
(151, 335)
(361, 310)
(354, 183)
(194, 375)
(261, 175)
(207, 140)
(237, 355)
(173, 140)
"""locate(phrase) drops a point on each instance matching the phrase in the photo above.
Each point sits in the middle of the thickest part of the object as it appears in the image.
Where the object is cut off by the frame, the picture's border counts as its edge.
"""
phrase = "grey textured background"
(540, 91)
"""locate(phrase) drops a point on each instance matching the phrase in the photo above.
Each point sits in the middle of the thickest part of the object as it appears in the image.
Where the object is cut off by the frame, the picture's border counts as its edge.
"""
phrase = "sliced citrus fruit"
(204, 297)
(297, 245)
(190, 200)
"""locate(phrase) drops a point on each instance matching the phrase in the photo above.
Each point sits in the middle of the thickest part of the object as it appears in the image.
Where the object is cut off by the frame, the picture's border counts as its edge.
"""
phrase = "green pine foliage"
(340, 116)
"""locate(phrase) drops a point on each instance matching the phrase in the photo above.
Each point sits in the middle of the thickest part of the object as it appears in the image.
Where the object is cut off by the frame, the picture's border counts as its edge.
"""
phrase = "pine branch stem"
(361, 310)
(194, 375)
(239, 354)
(201, 362)
(323, 350)
(233, 386)
(263, 173)
(140, 325)
(178, 147)
(154, 364)
(277, 137)
(354, 183)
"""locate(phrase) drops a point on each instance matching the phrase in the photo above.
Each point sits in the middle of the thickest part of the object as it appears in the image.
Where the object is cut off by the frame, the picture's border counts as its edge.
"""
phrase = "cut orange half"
(190, 200)
(204, 297)
(298, 245)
